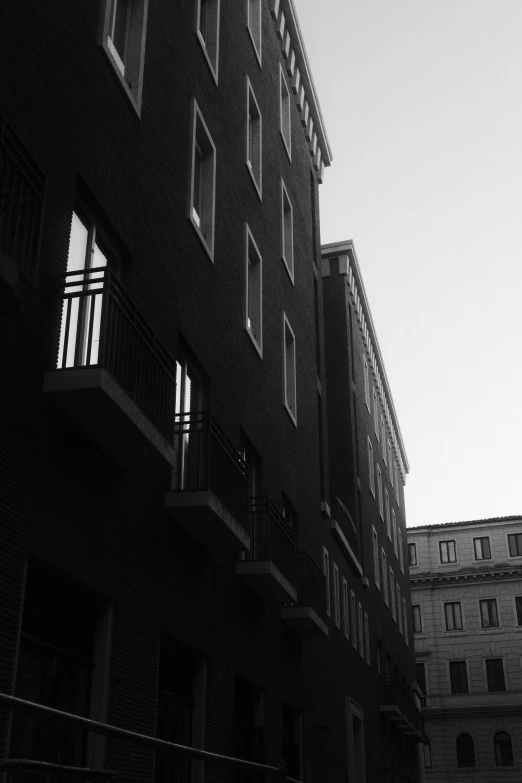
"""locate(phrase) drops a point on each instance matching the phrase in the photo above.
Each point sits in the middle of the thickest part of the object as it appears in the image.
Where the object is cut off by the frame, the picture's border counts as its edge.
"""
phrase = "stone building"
(466, 581)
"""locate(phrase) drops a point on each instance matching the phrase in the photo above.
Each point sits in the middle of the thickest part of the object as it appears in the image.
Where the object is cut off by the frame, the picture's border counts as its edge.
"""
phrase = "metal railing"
(391, 691)
(270, 772)
(311, 585)
(205, 459)
(21, 204)
(272, 537)
(102, 327)
(347, 525)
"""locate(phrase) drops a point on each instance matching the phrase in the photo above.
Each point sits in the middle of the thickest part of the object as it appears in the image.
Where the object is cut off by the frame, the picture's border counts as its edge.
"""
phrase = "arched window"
(503, 749)
(465, 751)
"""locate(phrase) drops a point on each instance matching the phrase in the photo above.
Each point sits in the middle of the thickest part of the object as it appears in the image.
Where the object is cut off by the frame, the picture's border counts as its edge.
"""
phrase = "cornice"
(494, 575)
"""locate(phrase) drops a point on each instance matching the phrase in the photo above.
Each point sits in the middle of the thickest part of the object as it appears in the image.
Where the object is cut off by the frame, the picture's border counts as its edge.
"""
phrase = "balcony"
(210, 490)
(308, 615)
(21, 217)
(343, 529)
(269, 570)
(113, 378)
(398, 706)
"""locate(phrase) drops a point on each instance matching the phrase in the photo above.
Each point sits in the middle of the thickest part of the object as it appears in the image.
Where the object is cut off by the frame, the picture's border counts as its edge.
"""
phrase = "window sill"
(257, 186)
(454, 633)
(421, 635)
(257, 52)
(490, 630)
(135, 103)
(291, 414)
(290, 274)
(213, 71)
(199, 233)
(256, 345)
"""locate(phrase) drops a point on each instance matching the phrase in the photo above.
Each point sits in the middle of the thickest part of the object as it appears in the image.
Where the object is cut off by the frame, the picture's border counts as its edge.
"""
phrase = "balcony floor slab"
(266, 581)
(208, 520)
(305, 621)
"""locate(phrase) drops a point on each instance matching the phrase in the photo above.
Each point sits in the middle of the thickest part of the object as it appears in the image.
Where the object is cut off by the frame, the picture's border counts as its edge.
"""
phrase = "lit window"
(417, 618)
(412, 553)
(285, 115)
(489, 613)
(207, 30)
(376, 558)
(453, 615)
(366, 372)
(253, 293)
(203, 181)
(370, 467)
(495, 675)
(515, 544)
(289, 370)
(379, 490)
(287, 233)
(326, 572)
(254, 139)
(448, 552)
(254, 25)
(336, 596)
(482, 548)
(385, 576)
(346, 609)
(123, 39)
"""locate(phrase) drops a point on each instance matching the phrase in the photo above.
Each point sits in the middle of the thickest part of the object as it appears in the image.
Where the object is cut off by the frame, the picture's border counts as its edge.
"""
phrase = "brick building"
(368, 468)
(466, 581)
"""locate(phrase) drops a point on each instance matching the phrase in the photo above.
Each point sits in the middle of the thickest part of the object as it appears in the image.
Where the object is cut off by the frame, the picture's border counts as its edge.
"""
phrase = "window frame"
(360, 630)
(414, 545)
(250, 243)
(399, 604)
(287, 226)
(285, 113)
(371, 466)
(504, 679)
(452, 604)
(452, 680)
(489, 602)
(257, 133)
(366, 373)
(516, 540)
(208, 216)
(415, 616)
(383, 437)
(258, 23)
(376, 570)
(479, 541)
(405, 620)
(211, 52)
(387, 515)
(367, 656)
(449, 560)
(289, 379)
(326, 572)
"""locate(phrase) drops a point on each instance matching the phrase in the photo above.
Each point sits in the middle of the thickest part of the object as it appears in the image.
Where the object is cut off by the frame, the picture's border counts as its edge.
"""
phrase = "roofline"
(464, 523)
(338, 248)
(306, 76)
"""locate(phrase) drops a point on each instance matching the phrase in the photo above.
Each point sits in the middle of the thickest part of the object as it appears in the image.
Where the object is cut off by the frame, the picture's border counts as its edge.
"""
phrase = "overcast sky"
(422, 102)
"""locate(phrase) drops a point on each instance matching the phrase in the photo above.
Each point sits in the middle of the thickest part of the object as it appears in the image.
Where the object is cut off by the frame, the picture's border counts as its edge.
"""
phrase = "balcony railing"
(273, 538)
(207, 460)
(21, 205)
(102, 327)
(392, 692)
(311, 585)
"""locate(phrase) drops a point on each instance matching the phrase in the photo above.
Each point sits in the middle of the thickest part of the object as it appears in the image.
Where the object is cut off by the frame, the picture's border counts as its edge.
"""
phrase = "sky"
(422, 103)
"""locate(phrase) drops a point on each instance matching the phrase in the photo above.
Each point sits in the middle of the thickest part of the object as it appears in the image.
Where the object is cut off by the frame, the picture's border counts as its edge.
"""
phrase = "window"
(336, 596)
(405, 619)
(383, 436)
(376, 573)
(427, 753)
(453, 615)
(448, 553)
(518, 609)
(254, 25)
(458, 676)
(394, 534)
(360, 629)
(293, 741)
(287, 233)
(366, 639)
(284, 113)
(289, 371)
(412, 554)
(400, 545)
(253, 292)
(346, 609)
(355, 746)
(417, 618)
(489, 613)
(495, 674)
(189, 399)
(385, 451)
(465, 751)
(326, 572)
(390, 461)
(515, 544)
(397, 494)
(384, 575)
(503, 749)
(254, 139)
(392, 595)
(482, 548)
(248, 726)
(123, 40)
(420, 676)
(366, 373)
(399, 604)
(370, 466)
(207, 30)
(353, 616)
(375, 414)
(379, 492)
(387, 515)
(203, 181)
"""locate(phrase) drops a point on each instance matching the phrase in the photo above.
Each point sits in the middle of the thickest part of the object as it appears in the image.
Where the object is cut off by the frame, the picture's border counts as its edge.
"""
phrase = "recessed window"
(495, 675)
(371, 467)
(503, 749)
(336, 596)
(366, 639)
(346, 609)
(515, 544)
(390, 461)
(376, 573)
(353, 615)
(383, 437)
(254, 25)
(397, 495)
(379, 490)
(207, 30)
(392, 595)
(458, 676)
(123, 39)
(518, 609)
(401, 554)
(289, 370)
(254, 139)
(489, 613)
(384, 562)
(465, 750)
(405, 619)
(326, 572)
(203, 181)
(453, 616)
(375, 414)
(482, 548)
(287, 232)
(427, 753)
(285, 115)
(399, 604)
(366, 373)
(387, 514)
(253, 293)
(448, 552)
(412, 554)
(360, 630)
(417, 618)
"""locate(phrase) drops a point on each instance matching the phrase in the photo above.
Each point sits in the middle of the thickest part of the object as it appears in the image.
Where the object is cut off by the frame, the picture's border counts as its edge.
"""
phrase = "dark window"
(292, 741)
(427, 753)
(289, 513)
(495, 674)
(453, 614)
(518, 607)
(248, 728)
(465, 751)
(503, 749)
(420, 676)
(482, 548)
(515, 544)
(488, 613)
(412, 551)
(448, 552)
(417, 618)
(458, 677)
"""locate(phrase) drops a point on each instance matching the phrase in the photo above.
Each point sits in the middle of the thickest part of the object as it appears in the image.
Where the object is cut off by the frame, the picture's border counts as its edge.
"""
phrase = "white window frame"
(253, 291)
(211, 47)
(387, 513)
(203, 224)
(379, 492)
(353, 615)
(346, 609)
(285, 113)
(366, 371)
(289, 370)
(254, 139)
(130, 72)
(413, 608)
(326, 572)
(287, 232)
(414, 545)
(376, 571)
(255, 26)
(371, 467)
(392, 593)
(401, 546)
(384, 562)
(336, 596)
(375, 413)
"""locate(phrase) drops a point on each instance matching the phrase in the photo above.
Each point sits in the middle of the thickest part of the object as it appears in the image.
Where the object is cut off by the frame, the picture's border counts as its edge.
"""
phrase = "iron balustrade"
(273, 538)
(21, 204)
(207, 460)
(393, 692)
(102, 327)
(311, 585)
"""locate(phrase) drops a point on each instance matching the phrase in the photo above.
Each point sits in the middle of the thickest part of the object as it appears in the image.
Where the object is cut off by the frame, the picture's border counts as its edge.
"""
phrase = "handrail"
(145, 740)
(273, 538)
